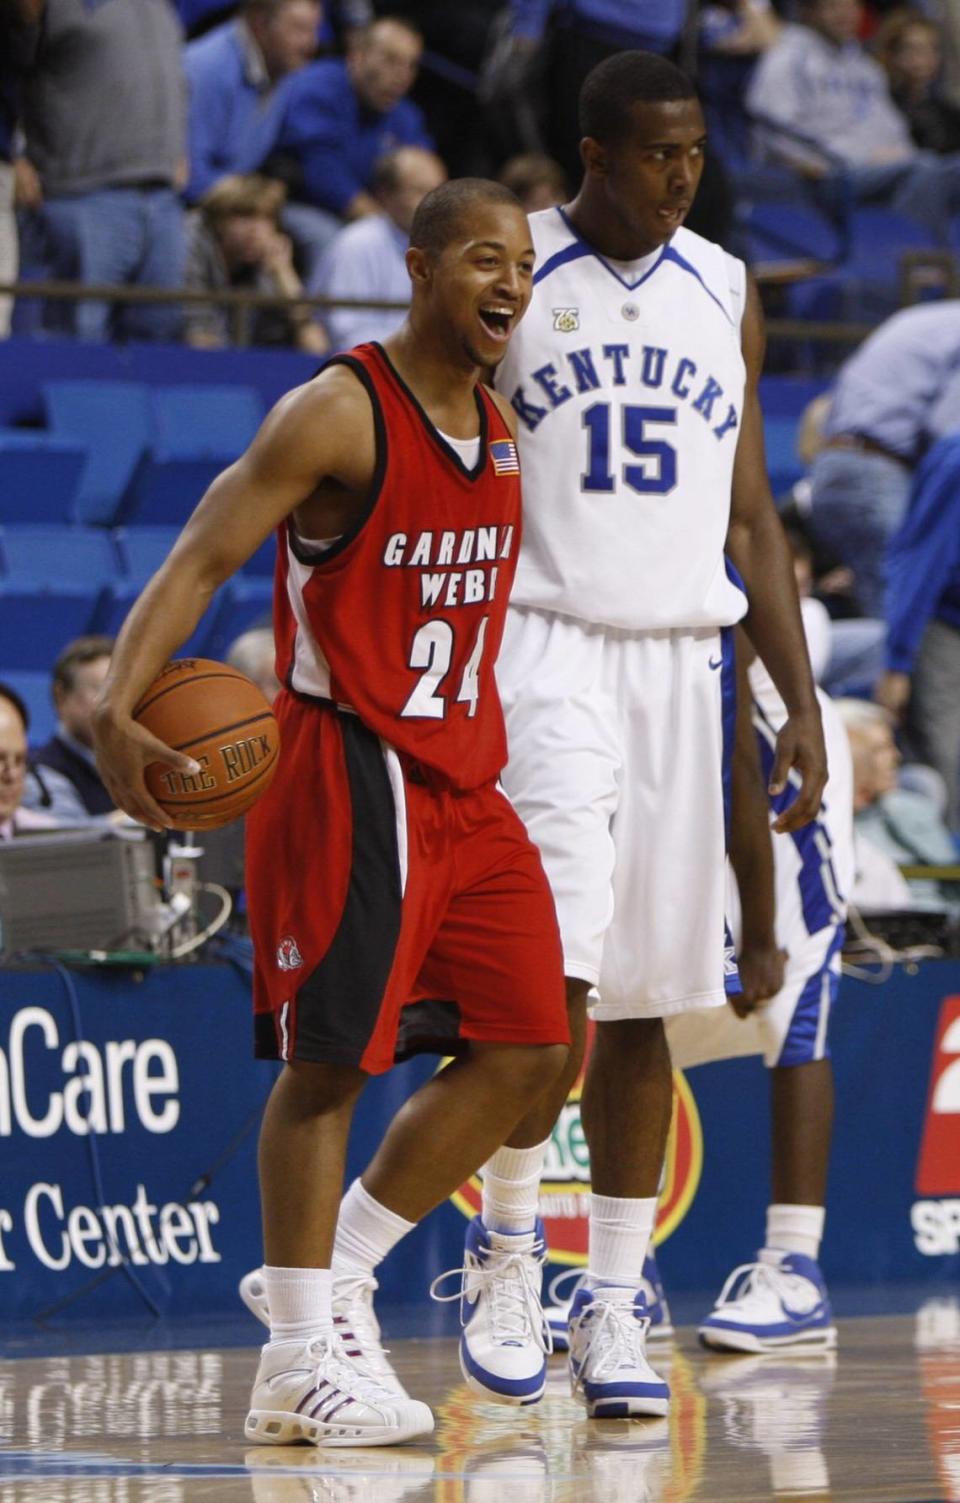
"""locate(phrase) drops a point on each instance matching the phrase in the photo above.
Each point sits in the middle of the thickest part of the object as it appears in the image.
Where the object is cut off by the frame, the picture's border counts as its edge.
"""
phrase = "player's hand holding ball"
(199, 748)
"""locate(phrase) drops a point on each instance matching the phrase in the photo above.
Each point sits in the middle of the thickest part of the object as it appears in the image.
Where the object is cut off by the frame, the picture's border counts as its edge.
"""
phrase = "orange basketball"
(221, 720)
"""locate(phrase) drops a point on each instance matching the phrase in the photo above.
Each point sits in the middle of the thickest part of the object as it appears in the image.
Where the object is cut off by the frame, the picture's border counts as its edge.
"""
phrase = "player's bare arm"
(313, 459)
(757, 546)
(760, 959)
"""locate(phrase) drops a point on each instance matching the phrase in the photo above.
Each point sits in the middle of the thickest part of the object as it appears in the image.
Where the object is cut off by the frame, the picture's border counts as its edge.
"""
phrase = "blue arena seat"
(164, 489)
(246, 602)
(197, 432)
(39, 476)
(114, 604)
(263, 561)
(36, 624)
(115, 419)
(789, 232)
(787, 396)
(142, 550)
(783, 463)
(80, 558)
(34, 690)
(212, 421)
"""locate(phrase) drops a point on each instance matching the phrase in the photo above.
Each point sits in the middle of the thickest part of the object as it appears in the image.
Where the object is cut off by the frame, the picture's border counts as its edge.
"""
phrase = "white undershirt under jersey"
(467, 450)
(628, 382)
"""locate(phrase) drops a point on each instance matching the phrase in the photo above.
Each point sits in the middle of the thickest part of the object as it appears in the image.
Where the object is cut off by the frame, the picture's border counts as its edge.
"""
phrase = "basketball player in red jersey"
(383, 862)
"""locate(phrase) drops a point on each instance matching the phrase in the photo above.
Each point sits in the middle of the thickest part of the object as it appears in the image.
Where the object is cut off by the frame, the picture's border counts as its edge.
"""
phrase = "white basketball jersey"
(628, 383)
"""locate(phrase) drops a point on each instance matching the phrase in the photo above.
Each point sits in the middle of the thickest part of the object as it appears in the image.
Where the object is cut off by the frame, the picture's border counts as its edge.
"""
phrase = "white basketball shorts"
(616, 764)
(790, 1030)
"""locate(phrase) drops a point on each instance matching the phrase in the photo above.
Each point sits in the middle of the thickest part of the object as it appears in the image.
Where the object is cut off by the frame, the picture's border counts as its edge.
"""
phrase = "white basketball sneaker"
(311, 1393)
(354, 1318)
(777, 1303)
(563, 1287)
(607, 1331)
(505, 1340)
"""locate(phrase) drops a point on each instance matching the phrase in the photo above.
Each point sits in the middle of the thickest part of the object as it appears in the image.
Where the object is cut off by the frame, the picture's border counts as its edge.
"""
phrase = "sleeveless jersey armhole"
(307, 556)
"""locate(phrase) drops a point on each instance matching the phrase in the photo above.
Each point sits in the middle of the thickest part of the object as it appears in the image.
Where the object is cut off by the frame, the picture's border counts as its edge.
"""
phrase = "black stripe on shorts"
(339, 1003)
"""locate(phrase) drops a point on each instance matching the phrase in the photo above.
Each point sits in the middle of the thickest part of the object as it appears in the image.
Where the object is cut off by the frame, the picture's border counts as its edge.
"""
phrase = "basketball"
(219, 718)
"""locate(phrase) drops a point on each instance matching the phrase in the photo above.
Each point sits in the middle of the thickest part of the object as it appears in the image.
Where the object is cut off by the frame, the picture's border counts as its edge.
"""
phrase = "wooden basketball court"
(877, 1420)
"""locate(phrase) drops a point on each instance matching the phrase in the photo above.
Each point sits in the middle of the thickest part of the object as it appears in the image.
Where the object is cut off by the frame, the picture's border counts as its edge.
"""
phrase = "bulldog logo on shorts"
(566, 320)
(288, 954)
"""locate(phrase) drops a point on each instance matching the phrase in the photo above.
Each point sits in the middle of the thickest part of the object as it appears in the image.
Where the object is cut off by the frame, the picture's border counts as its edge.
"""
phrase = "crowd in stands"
(281, 147)
(137, 136)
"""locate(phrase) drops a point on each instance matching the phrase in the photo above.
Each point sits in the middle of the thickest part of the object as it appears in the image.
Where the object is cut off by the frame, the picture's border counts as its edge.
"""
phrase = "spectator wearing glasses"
(14, 725)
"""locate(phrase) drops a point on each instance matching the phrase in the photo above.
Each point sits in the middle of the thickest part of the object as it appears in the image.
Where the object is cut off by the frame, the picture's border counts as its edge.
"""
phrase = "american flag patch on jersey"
(504, 455)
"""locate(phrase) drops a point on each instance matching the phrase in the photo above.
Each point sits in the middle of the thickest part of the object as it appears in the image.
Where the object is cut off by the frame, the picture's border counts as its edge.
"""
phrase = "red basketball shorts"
(370, 889)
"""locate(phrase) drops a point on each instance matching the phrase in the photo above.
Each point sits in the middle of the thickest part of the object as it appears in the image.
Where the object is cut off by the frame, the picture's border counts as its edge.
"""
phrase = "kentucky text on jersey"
(430, 551)
(651, 368)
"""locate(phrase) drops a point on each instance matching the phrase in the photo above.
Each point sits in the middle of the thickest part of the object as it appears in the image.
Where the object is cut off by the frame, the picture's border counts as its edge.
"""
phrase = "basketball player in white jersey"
(787, 908)
(634, 378)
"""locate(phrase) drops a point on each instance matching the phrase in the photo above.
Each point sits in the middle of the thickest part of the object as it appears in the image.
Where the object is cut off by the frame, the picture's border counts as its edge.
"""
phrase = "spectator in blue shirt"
(341, 116)
(819, 82)
(894, 396)
(238, 77)
(923, 619)
(368, 258)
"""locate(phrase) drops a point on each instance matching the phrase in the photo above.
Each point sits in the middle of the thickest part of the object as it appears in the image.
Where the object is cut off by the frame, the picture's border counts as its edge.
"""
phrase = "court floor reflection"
(877, 1420)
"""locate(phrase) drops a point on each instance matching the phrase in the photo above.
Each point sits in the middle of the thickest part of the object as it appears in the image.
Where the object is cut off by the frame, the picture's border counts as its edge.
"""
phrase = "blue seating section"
(122, 451)
(40, 475)
(112, 419)
(114, 450)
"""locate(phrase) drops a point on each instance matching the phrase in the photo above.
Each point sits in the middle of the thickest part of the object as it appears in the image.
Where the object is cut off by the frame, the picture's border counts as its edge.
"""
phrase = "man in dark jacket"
(64, 781)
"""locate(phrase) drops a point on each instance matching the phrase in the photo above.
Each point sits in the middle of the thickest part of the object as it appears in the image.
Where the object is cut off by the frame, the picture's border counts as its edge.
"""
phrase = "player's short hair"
(13, 698)
(76, 653)
(439, 214)
(613, 87)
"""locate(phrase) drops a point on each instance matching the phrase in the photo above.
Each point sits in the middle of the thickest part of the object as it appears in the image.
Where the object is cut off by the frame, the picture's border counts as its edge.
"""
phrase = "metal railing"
(921, 271)
(240, 302)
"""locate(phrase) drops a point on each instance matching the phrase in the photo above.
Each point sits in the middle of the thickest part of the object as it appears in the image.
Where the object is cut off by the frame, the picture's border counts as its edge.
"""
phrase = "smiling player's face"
(482, 281)
(649, 179)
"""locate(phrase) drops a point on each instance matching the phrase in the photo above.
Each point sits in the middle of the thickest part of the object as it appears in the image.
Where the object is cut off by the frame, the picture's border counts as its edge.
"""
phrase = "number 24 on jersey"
(432, 652)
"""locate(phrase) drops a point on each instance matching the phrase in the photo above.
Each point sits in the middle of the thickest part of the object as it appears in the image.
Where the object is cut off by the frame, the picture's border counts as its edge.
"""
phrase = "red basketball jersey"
(401, 620)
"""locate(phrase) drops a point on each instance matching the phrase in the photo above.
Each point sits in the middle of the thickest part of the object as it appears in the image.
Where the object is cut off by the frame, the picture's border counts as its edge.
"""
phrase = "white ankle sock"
(366, 1232)
(511, 1188)
(299, 1302)
(796, 1229)
(620, 1232)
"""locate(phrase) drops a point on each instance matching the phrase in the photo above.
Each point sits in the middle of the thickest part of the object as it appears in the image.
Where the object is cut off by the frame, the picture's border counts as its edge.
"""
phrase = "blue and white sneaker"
(607, 1332)
(505, 1340)
(778, 1303)
(558, 1311)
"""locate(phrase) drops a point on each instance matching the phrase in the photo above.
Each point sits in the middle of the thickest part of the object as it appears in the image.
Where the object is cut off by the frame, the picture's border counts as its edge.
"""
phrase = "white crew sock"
(366, 1232)
(299, 1301)
(796, 1229)
(511, 1188)
(620, 1232)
